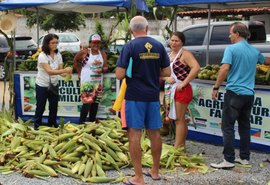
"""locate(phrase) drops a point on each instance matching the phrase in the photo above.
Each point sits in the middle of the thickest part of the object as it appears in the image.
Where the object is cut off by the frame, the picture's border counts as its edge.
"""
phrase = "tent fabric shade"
(214, 3)
(82, 6)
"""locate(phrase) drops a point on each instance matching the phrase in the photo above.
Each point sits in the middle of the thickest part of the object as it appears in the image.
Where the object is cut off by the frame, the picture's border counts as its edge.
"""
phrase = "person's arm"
(222, 74)
(123, 62)
(77, 60)
(59, 71)
(120, 73)
(267, 61)
(105, 62)
(165, 72)
(194, 66)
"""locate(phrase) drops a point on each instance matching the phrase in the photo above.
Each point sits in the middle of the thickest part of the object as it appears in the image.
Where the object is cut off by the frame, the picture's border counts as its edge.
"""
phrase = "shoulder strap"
(179, 52)
(49, 64)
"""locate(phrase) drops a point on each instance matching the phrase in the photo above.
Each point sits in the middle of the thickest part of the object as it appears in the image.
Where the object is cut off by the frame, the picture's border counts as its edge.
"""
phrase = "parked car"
(24, 46)
(197, 37)
(67, 42)
(117, 46)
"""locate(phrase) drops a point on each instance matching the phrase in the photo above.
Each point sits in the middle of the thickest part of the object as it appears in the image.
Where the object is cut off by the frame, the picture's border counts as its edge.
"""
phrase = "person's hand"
(99, 70)
(105, 69)
(68, 70)
(170, 80)
(214, 94)
(180, 86)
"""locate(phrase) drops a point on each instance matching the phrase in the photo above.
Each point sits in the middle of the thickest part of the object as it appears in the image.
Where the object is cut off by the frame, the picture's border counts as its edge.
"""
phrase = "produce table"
(206, 112)
(207, 115)
(69, 99)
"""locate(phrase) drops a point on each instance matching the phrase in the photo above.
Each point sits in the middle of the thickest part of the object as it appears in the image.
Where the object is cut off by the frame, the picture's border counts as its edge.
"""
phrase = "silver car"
(67, 42)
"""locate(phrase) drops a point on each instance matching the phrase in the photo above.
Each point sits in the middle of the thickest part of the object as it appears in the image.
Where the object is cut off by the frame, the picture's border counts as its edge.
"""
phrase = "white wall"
(155, 27)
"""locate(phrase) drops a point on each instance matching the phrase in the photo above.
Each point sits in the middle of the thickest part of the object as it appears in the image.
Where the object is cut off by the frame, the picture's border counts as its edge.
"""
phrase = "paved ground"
(257, 174)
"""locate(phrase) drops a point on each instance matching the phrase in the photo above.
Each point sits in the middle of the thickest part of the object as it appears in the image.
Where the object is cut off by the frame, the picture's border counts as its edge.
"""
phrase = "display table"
(69, 105)
(207, 115)
(206, 112)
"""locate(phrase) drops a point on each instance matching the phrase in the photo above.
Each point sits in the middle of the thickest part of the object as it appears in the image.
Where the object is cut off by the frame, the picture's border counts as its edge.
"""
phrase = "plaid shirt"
(180, 70)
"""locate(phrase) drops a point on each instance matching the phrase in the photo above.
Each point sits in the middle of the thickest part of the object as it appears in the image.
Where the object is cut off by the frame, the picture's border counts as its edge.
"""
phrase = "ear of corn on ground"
(80, 151)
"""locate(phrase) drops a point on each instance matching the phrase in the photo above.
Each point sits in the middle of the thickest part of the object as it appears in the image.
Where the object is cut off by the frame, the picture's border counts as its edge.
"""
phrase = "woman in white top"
(91, 63)
(50, 65)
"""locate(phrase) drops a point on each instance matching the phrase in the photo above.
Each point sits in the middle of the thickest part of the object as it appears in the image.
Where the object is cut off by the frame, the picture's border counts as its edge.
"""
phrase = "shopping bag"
(53, 89)
(120, 97)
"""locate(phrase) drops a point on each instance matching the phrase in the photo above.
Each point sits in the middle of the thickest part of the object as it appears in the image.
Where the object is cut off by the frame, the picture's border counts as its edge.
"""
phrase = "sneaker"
(241, 161)
(222, 165)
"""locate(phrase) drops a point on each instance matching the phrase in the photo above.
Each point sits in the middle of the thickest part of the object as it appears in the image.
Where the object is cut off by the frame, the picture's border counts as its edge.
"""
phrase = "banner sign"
(69, 104)
(207, 113)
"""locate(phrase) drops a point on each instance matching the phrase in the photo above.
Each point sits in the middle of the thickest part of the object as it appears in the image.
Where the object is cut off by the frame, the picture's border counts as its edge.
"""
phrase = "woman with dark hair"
(49, 65)
(184, 69)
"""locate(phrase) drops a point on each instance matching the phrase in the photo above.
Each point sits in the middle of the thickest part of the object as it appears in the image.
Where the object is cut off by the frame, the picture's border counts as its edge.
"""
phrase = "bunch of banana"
(263, 67)
(30, 64)
(263, 74)
(112, 58)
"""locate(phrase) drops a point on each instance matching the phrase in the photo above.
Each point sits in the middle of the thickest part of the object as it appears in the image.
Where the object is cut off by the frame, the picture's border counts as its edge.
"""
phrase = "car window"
(68, 38)
(257, 33)
(195, 36)
(220, 35)
(25, 43)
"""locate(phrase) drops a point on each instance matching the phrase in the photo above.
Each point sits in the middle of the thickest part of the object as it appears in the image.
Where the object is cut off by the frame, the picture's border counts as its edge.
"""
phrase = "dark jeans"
(236, 108)
(90, 109)
(42, 95)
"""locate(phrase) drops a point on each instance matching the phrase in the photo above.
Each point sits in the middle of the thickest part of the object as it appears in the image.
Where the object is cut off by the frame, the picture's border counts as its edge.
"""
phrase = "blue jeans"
(236, 108)
(42, 95)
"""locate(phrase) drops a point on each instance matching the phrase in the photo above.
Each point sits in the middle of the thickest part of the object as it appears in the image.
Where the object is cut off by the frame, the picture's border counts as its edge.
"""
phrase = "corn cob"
(99, 179)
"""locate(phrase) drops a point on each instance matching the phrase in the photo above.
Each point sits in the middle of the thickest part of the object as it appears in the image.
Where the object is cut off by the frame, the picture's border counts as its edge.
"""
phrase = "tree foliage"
(59, 21)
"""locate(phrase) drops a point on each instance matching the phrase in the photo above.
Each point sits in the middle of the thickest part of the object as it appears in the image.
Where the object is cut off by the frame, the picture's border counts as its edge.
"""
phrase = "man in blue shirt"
(239, 66)
(142, 107)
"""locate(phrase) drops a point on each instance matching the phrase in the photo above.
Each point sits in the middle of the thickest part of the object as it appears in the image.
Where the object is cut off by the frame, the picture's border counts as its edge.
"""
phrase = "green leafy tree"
(59, 21)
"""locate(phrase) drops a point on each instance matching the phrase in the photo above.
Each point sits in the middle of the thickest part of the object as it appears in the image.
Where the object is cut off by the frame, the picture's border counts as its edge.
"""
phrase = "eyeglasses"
(55, 42)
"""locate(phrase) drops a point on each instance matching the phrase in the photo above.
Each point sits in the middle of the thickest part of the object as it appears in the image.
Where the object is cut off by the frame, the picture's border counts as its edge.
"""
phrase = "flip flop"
(148, 174)
(128, 182)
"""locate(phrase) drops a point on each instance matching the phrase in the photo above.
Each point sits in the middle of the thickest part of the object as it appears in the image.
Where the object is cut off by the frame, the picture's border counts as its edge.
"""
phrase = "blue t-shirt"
(148, 56)
(243, 59)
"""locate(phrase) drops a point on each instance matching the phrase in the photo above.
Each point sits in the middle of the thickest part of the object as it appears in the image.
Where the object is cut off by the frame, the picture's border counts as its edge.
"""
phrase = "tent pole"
(175, 22)
(208, 34)
(37, 20)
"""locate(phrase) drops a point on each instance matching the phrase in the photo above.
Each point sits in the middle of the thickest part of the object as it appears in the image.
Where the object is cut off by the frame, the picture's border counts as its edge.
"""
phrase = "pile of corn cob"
(80, 151)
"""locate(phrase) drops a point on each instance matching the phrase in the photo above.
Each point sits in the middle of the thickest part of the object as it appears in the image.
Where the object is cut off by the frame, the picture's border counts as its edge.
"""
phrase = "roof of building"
(237, 11)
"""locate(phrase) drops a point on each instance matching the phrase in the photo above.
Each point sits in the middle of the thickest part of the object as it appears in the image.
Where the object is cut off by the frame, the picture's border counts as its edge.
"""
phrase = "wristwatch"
(215, 88)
